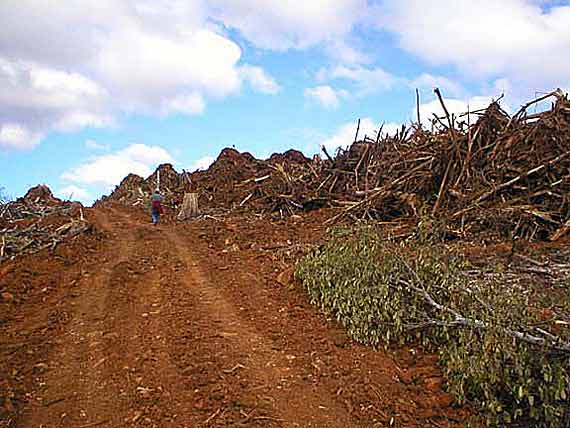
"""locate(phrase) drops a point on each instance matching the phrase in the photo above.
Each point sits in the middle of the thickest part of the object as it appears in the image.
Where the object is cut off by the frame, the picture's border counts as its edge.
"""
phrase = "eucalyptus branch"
(460, 320)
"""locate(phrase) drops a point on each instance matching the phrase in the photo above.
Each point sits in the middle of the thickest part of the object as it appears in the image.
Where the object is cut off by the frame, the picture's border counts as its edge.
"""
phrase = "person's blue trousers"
(155, 216)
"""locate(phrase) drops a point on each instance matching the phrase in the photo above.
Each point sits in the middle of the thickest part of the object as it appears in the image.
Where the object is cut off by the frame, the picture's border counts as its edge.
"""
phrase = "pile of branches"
(505, 173)
(38, 221)
(136, 191)
(499, 173)
(277, 185)
(503, 339)
(234, 181)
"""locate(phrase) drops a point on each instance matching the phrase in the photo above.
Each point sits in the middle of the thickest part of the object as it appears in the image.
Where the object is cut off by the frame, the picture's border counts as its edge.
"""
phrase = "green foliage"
(416, 292)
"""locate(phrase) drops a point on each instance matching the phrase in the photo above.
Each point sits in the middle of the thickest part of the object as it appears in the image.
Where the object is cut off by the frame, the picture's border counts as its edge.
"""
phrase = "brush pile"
(235, 181)
(136, 191)
(505, 174)
(500, 174)
(38, 221)
(239, 181)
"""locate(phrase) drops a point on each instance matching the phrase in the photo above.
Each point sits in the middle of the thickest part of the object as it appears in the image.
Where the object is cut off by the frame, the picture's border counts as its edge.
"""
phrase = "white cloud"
(69, 86)
(94, 145)
(502, 85)
(325, 95)
(294, 24)
(259, 79)
(149, 155)
(202, 163)
(488, 38)
(188, 104)
(344, 135)
(110, 169)
(51, 42)
(73, 192)
(27, 84)
(77, 120)
(322, 75)
(146, 67)
(366, 80)
(15, 136)
(370, 80)
(429, 81)
(346, 52)
(87, 61)
(41, 99)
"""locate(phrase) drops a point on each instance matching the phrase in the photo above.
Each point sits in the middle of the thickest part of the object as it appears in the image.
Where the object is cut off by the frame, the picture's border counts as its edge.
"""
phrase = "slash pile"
(38, 221)
(508, 175)
(134, 190)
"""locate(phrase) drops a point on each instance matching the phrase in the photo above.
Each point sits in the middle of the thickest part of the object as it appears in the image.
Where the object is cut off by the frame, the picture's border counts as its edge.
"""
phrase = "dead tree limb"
(357, 129)
(418, 107)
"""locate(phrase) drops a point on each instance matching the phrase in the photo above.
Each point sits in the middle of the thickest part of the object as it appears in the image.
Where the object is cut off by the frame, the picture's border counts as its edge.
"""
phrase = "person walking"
(156, 206)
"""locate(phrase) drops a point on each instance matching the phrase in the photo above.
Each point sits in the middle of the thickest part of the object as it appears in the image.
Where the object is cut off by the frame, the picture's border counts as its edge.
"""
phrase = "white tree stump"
(189, 207)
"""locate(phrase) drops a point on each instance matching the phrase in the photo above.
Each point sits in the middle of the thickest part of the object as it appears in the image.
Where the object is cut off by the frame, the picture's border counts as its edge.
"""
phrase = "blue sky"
(94, 89)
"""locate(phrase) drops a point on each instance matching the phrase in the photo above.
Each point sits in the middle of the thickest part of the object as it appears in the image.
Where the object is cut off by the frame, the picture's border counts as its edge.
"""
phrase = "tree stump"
(189, 207)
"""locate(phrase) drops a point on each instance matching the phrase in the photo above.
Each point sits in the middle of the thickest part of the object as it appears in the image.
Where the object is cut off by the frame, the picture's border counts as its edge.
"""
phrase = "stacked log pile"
(38, 221)
(505, 174)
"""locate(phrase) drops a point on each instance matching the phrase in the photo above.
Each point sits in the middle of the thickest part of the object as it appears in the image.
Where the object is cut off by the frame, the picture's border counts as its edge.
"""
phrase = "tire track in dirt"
(270, 388)
(77, 386)
(157, 396)
(111, 366)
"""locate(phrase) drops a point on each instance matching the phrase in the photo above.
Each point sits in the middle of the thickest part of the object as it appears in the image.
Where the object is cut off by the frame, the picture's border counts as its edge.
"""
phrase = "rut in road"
(270, 381)
(152, 342)
(112, 362)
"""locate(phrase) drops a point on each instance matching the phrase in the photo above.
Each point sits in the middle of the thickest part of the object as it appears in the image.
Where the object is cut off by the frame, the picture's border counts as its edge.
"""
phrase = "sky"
(91, 90)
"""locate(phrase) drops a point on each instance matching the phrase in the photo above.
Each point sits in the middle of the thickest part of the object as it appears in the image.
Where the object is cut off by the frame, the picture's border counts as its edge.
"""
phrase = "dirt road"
(201, 325)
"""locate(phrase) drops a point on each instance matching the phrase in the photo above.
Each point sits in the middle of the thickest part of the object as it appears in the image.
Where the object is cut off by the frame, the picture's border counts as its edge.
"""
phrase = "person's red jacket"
(156, 205)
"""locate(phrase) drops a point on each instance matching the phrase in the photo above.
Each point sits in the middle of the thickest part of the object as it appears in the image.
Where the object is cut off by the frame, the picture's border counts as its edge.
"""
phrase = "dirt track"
(191, 326)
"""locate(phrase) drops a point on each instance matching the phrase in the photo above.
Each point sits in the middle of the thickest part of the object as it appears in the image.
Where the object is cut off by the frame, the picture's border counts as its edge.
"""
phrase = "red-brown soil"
(194, 325)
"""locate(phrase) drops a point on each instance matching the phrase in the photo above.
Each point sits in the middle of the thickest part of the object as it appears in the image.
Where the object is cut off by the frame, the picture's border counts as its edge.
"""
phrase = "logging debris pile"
(239, 181)
(134, 190)
(508, 175)
(234, 181)
(38, 221)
